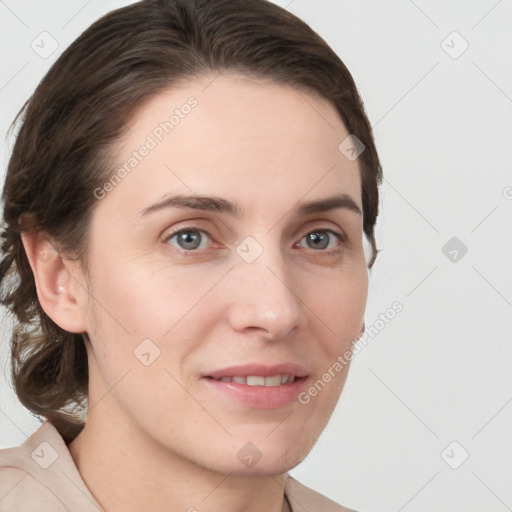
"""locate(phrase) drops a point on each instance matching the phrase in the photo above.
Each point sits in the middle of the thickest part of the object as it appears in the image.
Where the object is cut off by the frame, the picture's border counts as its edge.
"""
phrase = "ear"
(57, 287)
(363, 327)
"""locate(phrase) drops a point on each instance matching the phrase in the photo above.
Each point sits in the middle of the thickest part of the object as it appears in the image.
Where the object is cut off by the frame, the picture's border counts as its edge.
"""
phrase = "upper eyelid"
(334, 220)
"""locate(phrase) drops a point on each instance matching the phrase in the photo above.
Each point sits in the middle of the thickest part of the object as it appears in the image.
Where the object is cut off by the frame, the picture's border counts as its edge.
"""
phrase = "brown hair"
(78, 112)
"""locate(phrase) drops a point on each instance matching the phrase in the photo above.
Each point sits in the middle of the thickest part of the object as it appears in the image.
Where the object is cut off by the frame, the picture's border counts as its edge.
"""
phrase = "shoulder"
(20, 491)
(20, 488)
(40, 475)
(305, 499)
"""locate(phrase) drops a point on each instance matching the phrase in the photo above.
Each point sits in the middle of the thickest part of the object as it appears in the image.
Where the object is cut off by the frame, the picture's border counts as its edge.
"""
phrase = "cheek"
(338, 307)
(144, 300)
(174, 309)
(340, 302)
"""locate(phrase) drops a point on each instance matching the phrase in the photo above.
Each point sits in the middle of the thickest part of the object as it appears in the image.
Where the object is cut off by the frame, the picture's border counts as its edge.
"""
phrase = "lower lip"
(259, 397)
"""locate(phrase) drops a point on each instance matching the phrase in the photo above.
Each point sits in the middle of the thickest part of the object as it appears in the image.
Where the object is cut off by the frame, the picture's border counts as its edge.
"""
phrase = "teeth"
(258, 380)
(271, 381)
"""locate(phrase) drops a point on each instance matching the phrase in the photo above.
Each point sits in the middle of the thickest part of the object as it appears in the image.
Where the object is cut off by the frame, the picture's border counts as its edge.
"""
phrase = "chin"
(269, 456)
(265, 449)
(264, 467)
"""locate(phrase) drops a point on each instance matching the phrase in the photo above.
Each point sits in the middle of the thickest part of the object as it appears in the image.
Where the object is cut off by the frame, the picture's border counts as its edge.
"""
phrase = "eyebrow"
(220, 205)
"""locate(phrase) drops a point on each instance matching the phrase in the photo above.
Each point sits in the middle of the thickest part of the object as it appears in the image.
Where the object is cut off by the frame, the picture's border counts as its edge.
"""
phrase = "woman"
(186, 209)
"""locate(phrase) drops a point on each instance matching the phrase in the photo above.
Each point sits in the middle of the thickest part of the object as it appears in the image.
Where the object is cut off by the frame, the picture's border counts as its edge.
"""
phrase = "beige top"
(41, 476)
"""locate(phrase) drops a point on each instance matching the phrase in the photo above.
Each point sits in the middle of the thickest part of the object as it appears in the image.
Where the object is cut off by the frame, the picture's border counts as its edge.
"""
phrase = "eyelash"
(339, 235)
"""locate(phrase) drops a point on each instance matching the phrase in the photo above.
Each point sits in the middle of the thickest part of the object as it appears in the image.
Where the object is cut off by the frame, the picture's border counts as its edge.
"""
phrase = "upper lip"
(259, 369)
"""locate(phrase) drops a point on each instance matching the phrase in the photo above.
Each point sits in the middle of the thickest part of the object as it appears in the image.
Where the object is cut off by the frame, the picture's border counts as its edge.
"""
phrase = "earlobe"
(56, 286)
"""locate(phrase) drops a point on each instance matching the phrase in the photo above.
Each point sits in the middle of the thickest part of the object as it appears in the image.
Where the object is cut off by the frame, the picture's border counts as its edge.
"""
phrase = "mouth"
(258, 386)
(259, 380)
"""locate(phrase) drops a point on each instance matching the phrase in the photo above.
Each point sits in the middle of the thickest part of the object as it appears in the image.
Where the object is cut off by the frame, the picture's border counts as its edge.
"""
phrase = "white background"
(440, 370)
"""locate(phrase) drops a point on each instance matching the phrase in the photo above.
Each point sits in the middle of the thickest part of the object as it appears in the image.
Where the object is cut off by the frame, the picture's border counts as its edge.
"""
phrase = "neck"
(125, 470)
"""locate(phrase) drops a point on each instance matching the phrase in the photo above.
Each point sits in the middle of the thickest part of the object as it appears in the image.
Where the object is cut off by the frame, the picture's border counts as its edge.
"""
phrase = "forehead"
(235, 136)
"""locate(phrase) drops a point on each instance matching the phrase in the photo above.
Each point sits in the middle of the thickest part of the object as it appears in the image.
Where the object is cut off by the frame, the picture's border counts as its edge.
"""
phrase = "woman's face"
(269, 282)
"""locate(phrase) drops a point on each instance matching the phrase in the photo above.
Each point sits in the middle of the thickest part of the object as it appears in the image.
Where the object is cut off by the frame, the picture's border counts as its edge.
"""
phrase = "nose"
(264, 297)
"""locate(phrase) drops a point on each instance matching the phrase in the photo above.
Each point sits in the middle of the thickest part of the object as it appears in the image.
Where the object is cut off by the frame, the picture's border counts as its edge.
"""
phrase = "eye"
(320, 239)
(189, 239)
(192, 239)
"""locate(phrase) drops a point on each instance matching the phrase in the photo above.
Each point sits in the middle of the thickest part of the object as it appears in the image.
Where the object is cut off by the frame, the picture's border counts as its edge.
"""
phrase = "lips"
(257, 386)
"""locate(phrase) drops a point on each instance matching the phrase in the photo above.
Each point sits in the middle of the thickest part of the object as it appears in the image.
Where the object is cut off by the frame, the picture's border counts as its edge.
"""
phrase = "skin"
(265, 146)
